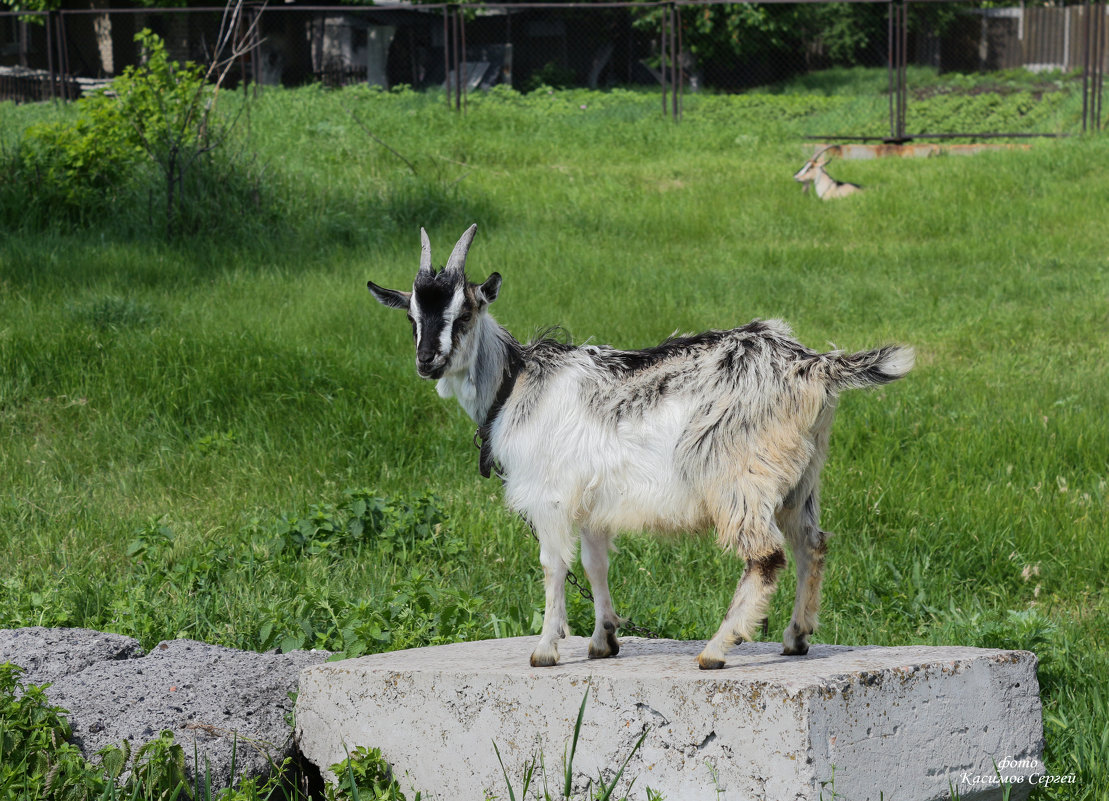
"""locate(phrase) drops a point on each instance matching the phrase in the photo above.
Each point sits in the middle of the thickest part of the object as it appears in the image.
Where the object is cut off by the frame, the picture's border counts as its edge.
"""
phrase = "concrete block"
(896, 723)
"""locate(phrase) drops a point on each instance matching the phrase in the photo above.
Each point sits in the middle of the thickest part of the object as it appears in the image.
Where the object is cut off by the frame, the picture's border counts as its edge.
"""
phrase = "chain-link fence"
(939, 65)
(1047, 60)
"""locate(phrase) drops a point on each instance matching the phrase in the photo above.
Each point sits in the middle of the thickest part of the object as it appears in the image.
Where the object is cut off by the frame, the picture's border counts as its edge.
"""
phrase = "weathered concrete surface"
(47, 655)
(218, 698)
(901, 722)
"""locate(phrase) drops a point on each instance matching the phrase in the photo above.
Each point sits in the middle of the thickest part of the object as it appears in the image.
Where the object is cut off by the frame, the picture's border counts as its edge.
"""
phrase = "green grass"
(182, 421)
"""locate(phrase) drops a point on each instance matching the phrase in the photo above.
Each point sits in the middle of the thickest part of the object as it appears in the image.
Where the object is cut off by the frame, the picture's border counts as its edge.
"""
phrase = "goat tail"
(868, 368)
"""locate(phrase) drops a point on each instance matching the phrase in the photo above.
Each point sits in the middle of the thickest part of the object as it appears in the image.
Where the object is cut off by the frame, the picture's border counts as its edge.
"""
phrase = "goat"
(724, 428)
(813, 174)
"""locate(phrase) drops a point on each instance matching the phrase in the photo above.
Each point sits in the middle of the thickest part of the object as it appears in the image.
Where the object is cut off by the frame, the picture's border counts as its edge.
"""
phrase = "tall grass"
(182, 420)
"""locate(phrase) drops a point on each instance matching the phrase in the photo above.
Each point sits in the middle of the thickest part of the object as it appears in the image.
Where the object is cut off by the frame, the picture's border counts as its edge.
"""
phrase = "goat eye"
(464, 317)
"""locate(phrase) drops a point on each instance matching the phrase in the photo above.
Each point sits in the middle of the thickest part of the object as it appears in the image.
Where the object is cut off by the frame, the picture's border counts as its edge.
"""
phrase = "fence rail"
(463, 48)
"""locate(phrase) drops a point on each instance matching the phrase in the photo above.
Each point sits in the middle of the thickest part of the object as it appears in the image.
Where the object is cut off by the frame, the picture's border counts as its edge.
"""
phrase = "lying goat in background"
(813, 174)
(725, 428)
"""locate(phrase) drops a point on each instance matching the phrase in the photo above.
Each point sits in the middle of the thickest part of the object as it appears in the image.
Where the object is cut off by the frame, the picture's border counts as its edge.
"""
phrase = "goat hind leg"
(748, 607)
(594, 558)
(809, 550)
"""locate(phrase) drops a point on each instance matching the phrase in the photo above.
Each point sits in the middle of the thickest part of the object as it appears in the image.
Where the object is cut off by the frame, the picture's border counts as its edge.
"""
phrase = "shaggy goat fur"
(725, 428)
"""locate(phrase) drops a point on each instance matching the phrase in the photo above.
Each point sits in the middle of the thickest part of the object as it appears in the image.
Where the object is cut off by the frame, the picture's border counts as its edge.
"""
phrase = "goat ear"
(491, 288)
(393, 298)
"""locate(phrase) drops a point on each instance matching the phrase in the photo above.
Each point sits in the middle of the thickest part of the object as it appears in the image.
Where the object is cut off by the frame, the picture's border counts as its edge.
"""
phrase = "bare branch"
(377, 139)
(230, 47)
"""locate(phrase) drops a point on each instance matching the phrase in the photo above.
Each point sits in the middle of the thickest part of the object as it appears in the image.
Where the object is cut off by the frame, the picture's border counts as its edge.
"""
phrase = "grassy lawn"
(222, 437)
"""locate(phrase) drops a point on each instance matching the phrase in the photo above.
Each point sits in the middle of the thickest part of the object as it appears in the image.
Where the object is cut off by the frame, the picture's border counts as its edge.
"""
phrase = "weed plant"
(601, 789)
(184, 421)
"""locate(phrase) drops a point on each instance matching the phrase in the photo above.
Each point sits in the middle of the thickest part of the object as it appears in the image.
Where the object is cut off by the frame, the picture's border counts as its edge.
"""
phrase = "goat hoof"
(544, 659)
(610, 639)
(795, 642)
(611, 646)
(709, 662)
(599, 653)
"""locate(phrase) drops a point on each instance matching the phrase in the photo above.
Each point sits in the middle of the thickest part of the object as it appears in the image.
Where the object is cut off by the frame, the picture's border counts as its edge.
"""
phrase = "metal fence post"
(897, 66)
(63, 55)
(903, 83)
(889, 63)
(681, 79)
(1099, 63)
(1091, 66)
(463, 80)
(457, 61)
(446, 55)
(256, 50)
(675, 75)
(50, 52)
(662, 59)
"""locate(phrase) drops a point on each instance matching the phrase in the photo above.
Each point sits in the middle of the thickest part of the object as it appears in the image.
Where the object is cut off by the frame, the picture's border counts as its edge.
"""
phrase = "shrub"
(149, 142)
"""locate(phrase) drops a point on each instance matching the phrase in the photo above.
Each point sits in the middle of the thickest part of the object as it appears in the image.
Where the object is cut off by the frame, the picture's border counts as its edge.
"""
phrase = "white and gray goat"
(726, 429)
(814, 174)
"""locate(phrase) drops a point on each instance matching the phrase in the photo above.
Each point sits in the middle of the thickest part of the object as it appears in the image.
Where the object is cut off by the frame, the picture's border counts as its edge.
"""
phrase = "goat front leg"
(594, 558)
(555, 624)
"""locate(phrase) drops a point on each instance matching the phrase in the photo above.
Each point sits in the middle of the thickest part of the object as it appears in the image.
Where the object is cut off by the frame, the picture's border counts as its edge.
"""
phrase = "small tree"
(170, 107)
(161, 114)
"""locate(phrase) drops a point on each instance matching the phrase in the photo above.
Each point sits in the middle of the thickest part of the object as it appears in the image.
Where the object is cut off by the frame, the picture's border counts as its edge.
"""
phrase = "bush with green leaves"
(150, 146)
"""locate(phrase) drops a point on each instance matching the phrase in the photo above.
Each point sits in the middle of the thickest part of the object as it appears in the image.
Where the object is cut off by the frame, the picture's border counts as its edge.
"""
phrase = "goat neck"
(823, 183)
(486, 364)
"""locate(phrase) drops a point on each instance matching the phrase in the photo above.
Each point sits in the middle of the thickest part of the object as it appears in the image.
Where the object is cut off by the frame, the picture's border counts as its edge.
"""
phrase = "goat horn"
(457, 261)
(425, 252)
